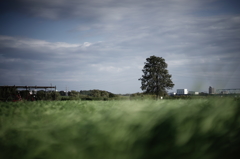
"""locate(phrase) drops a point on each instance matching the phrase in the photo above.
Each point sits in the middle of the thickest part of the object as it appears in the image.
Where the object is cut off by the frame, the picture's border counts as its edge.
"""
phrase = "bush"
(42, 95)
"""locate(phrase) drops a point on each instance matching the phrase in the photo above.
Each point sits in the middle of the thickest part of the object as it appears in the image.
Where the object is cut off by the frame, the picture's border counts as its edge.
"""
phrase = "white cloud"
(40, 45)
(86, 44)
(110, 68)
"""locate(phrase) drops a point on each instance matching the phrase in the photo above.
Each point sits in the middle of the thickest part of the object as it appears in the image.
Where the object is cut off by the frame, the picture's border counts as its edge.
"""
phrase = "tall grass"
(120, 129)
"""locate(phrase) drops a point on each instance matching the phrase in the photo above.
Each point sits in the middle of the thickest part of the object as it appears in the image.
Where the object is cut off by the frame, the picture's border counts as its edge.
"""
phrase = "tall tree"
(156, 79)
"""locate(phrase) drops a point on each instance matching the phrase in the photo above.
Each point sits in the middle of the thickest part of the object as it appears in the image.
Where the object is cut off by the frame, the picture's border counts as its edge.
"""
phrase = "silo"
(211, 90)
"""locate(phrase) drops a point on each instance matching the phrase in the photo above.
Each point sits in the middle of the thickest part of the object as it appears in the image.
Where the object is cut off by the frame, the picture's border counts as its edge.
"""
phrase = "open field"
(168, 129)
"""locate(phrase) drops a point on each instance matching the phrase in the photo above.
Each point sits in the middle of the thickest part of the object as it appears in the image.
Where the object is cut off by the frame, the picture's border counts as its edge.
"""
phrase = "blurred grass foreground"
(167, 129)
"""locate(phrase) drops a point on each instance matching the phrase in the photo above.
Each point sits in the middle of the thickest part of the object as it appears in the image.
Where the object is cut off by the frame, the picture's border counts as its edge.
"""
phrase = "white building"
(182, 91)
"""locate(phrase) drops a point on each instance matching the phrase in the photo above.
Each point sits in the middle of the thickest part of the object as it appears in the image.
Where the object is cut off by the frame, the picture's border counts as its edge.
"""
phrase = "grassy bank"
(120, 129)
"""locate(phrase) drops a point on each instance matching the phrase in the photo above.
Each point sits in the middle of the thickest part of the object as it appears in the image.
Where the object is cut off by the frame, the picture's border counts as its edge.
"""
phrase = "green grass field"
(168, 129)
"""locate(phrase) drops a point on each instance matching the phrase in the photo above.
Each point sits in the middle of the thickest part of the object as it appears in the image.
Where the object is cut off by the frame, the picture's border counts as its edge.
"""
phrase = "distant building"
(228, 91)
(193, 92)
(182, 91)
(224, 92)
(203, 93)
(211, 90)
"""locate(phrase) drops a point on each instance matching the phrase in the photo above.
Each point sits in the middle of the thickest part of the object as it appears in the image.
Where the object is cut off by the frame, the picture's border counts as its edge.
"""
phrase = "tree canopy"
(156, 79)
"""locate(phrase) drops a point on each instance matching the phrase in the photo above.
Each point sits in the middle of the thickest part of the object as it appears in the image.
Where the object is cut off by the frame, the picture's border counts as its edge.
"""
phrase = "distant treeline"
(88, 95)
(52, 95)
(95, 95)
(12, 94)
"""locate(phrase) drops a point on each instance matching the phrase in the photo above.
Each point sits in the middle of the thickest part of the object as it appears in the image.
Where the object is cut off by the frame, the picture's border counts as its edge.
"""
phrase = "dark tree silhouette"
(156, 79)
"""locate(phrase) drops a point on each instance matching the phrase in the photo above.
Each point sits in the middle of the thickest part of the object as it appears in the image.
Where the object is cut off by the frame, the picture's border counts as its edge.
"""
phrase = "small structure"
(193, 93)
(172, 93)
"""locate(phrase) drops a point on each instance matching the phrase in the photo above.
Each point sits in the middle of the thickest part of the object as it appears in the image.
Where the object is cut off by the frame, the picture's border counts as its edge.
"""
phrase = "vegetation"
(169, 129)
(142, 96)
(156, 79)
(12, 94)
(91, 95)
(52, 95)
(4, 93)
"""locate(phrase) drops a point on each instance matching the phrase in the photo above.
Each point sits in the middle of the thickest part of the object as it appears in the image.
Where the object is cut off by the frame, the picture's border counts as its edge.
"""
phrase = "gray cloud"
(104, 9)
(200, 49)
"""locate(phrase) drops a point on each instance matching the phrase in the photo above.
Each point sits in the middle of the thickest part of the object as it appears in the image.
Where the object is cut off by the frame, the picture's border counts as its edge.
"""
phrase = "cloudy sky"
(103, 44)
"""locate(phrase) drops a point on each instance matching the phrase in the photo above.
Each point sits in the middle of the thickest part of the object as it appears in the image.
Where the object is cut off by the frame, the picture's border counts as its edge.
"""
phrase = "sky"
(103, 44)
